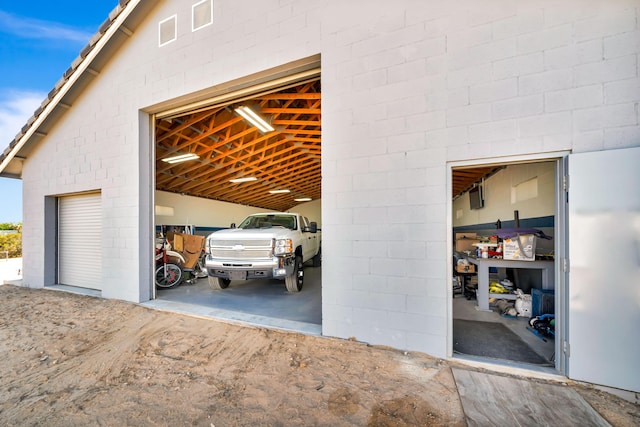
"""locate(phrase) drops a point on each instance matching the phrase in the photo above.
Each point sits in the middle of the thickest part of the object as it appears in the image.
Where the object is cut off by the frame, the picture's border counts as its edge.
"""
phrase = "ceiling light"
(246, 179)
(279, 191)
(303, 199)
(249, 115)
(181, 158)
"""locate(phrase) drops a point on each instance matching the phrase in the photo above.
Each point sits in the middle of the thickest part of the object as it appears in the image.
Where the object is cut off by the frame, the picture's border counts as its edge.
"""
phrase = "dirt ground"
(73, 360)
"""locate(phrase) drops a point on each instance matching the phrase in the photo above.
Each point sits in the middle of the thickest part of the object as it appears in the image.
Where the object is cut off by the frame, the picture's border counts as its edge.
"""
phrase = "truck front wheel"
(218, 283)
(295, 280)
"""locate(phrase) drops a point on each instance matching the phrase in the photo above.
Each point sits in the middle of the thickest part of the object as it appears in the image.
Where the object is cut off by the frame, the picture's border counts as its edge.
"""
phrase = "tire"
(295, 280)
(317, 260)
(218, 283)
(172, 277)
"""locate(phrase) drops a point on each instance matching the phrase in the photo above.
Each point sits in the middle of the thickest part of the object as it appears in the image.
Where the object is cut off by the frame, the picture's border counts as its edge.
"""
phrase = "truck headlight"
(283, 247)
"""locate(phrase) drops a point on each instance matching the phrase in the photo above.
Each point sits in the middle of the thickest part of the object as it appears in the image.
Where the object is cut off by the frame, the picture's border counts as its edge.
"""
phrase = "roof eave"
(10, 159)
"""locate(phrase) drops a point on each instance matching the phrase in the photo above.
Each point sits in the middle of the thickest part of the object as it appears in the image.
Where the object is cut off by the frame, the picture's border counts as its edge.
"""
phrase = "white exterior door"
(604, 268)
(79, 241)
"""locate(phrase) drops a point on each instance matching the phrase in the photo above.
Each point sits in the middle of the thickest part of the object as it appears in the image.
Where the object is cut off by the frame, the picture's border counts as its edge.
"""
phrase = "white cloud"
(15, 109)
(30, 28)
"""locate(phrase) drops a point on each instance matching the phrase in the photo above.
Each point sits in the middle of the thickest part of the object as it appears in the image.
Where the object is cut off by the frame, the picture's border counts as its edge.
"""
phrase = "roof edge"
(96, 43)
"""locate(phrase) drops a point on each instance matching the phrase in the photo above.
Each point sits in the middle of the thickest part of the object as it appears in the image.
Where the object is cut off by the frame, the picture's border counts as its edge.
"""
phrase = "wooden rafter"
(289, 157)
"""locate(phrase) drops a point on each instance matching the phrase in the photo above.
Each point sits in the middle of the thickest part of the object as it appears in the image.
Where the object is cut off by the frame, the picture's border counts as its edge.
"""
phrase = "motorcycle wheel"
(169, 279)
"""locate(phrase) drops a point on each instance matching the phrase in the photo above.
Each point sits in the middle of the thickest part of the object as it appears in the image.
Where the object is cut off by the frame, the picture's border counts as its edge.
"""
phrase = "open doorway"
(505, 229)
(211, 189)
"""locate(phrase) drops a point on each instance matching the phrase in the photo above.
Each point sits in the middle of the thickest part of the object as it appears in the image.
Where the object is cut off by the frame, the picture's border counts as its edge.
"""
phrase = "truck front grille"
(245, 254)
(246, 249)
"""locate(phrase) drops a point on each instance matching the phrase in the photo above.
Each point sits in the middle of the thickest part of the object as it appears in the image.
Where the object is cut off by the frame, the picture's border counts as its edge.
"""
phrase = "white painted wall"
(312, 210)
(189, 210)
(498, 202)
(407, 87)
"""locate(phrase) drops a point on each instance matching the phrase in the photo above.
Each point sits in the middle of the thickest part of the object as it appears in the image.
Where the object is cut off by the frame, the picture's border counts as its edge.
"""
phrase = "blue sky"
(38, 41)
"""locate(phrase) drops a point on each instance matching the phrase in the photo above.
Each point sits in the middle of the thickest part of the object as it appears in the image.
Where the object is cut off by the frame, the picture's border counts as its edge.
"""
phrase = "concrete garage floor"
(467, 310)
(256, 302)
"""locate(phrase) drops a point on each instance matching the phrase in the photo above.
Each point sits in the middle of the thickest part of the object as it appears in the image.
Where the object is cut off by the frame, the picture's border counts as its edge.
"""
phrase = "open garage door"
(214, 166)
(79, 241)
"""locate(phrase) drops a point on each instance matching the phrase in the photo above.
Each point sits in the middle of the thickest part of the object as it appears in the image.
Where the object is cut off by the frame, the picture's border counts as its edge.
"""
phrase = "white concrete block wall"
(449, 82)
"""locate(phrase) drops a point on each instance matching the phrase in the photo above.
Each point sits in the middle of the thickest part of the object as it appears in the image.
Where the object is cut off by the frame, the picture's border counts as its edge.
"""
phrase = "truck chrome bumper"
(234, 269)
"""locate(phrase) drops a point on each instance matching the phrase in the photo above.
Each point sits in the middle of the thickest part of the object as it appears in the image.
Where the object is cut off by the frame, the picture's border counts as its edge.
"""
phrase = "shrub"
(11, 243)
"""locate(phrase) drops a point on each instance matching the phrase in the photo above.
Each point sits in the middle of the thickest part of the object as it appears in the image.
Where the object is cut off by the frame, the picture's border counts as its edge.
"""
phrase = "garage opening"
(505, 234)
(214, 166)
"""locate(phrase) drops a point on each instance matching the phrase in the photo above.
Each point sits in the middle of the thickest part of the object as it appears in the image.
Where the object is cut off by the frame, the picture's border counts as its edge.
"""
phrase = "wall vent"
(168, 30)
(202, 14)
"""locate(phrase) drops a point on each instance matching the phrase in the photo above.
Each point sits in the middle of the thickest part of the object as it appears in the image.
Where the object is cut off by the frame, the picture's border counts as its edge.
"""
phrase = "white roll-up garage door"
(79, 241)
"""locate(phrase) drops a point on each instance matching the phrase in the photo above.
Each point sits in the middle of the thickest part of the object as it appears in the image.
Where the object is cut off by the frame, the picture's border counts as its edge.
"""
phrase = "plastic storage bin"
(542, 302)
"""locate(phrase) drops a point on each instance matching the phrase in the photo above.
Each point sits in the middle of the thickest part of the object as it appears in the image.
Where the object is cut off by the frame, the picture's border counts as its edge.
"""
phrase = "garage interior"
(273, 169)
(497, 335)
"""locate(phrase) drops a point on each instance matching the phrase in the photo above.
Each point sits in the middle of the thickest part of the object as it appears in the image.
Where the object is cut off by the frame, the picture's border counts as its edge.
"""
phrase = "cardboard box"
(465, 241)
(190, 247)
(471, 268)
(520, 248)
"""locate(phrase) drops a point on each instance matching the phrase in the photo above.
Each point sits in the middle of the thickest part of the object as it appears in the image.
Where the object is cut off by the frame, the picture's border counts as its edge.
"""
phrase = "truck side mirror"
(313, 227)
(233, 225)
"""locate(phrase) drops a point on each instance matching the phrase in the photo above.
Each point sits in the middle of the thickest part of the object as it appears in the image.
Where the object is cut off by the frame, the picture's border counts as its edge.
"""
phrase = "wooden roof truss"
(229, 147)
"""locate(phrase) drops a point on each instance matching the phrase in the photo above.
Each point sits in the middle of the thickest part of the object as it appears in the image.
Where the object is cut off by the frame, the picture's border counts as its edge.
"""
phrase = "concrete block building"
(541, 96)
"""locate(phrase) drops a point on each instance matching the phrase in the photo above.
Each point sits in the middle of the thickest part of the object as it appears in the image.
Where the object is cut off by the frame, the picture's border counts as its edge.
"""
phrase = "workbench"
(483, 265)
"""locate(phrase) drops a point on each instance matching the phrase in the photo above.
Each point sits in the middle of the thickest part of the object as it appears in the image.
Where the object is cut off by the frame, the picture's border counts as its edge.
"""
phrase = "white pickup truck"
(264, 245)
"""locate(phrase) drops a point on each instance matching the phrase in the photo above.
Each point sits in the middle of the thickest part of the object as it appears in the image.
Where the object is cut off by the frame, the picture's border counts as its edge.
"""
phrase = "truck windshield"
(269, 221)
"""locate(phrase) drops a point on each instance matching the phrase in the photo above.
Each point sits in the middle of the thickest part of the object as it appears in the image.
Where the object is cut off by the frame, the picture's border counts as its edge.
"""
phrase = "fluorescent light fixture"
(181, 158)
(249, 115)
(279, 191)
(246, 179)
(303, 199)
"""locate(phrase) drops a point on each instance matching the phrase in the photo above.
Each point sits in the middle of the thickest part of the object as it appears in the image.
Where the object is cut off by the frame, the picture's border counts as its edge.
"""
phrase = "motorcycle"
(170, 269)
(168, 265)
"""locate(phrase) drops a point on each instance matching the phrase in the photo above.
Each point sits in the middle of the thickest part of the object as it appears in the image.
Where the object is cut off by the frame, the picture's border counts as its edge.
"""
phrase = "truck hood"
(239, 233)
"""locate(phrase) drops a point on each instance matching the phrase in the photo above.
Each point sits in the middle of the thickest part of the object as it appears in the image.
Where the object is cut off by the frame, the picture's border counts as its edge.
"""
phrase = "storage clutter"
(521, 247)
(538, 303)
(464, 266)
(190, 246)
(456, 285)
(523, 304)
(465, 241)
(464, 273)
(470, 287)
(517, 244)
